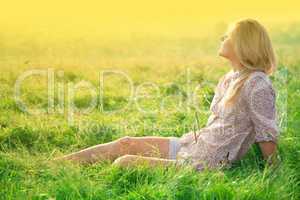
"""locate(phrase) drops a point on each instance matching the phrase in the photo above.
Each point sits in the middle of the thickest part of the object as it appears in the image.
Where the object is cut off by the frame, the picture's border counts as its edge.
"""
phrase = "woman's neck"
(236, 66)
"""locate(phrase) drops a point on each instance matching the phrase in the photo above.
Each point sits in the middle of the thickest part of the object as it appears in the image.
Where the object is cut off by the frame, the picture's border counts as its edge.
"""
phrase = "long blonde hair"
(253, 48)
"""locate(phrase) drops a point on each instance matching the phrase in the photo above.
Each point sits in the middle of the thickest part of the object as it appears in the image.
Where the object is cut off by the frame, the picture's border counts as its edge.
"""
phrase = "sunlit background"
(123, 18)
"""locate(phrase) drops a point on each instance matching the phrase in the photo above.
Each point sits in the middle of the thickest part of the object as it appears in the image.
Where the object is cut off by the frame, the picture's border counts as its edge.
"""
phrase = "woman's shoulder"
(258, 78)
(258, 75)
(258, 81)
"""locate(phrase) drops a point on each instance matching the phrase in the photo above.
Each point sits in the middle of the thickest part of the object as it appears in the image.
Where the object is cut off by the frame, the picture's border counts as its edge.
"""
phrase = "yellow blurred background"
(120, 18)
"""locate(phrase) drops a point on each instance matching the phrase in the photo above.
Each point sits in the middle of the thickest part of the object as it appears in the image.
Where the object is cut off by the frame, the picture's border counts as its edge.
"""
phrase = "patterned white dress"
(230, 131)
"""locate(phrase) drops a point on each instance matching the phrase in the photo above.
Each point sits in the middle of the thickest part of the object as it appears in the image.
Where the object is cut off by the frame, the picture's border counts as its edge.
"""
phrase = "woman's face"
(226, 49)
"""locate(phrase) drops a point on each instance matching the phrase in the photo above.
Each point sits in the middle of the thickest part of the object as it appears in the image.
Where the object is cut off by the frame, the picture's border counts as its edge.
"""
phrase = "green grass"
(28, 142)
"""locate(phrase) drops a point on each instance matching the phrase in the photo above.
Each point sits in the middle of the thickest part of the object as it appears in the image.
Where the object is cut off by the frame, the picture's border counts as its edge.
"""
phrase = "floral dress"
(230, 131)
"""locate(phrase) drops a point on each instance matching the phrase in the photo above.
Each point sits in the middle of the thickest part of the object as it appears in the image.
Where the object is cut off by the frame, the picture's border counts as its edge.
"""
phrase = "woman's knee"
(124, 160)
(125, 144)
(125, 140)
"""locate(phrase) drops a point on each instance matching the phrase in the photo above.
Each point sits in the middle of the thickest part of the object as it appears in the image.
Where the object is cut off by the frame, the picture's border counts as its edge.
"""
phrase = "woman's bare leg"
(151, 146)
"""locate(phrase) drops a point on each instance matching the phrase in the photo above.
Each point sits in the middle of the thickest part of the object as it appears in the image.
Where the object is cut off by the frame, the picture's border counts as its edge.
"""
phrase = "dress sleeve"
(260, 98)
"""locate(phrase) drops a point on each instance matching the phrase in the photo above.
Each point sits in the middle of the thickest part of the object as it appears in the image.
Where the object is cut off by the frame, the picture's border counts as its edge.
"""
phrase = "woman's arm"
(261, 101)
(269, 151)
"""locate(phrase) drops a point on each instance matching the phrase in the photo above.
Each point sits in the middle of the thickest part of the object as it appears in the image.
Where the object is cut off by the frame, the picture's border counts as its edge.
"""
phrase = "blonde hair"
(253, 48)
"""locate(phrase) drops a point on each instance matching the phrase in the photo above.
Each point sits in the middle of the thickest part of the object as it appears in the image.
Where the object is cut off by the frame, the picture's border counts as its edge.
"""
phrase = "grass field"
(162, 71)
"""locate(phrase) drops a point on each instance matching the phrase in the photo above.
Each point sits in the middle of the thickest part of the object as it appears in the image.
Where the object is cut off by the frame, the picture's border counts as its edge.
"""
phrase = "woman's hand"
(269, 151)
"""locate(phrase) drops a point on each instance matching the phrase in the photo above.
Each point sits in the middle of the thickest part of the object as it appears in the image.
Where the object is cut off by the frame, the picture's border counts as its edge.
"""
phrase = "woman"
(242, 112)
